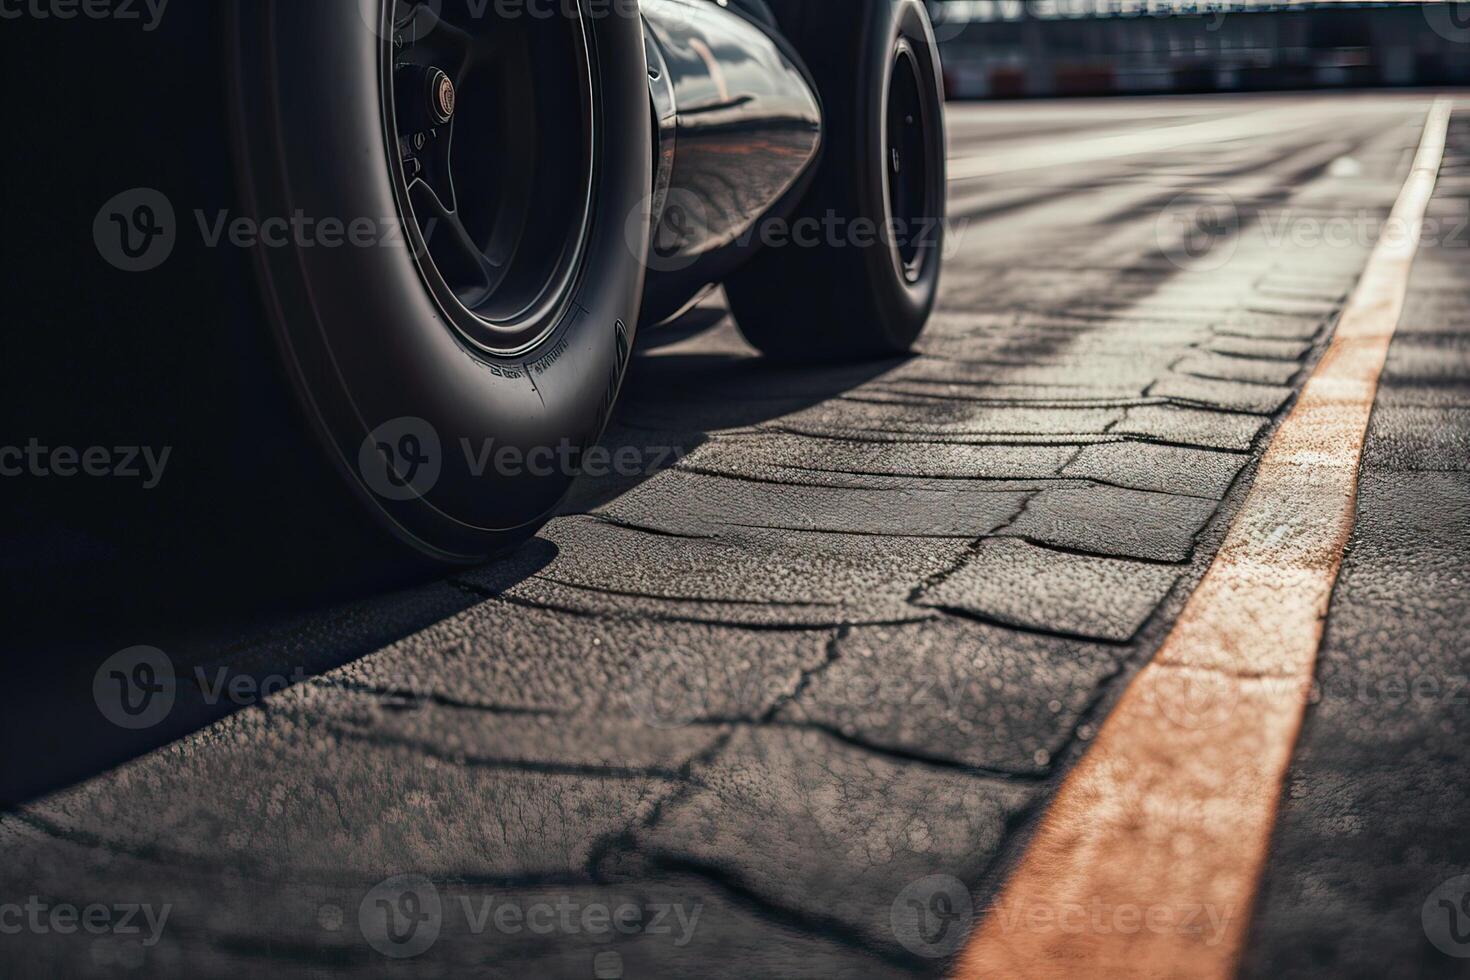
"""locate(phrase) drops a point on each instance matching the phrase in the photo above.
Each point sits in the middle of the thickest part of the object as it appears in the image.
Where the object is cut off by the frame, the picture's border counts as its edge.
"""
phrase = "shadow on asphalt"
(50, 721)
(674, 399)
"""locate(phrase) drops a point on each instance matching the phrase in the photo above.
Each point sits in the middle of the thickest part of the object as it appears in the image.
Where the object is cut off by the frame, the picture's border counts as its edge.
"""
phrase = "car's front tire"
(453, 369)
(282, 356)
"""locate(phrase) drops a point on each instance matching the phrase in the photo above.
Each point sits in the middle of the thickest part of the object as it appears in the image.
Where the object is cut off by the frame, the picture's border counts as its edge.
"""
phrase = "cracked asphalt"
(790, 700)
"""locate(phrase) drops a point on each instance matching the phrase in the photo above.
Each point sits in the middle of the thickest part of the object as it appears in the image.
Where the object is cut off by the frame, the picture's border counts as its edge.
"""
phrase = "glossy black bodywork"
(739, 127)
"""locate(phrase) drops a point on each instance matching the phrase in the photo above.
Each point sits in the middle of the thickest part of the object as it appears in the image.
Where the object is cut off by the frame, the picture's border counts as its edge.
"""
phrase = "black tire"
(869, 293)
(270, 372)
(371, 347)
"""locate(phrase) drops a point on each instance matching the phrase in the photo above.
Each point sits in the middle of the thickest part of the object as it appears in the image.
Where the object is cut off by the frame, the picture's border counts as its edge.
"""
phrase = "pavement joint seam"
(895, 753)
(592, 770)
(1062, 549)
(940, 576)
(409, 699)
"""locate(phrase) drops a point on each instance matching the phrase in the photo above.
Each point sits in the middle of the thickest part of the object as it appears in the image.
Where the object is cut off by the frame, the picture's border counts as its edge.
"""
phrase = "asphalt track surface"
(791, 694)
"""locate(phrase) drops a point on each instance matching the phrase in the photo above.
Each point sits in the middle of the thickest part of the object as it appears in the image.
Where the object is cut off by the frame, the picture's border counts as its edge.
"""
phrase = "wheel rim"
(490, 122)
(911, 185)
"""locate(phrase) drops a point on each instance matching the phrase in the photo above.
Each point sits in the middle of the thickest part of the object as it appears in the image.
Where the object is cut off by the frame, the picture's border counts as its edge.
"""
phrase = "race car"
(449, 219)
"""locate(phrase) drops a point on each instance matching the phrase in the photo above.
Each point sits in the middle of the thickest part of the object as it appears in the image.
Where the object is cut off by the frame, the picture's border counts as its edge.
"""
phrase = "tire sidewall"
(367, 349)
(906, 305)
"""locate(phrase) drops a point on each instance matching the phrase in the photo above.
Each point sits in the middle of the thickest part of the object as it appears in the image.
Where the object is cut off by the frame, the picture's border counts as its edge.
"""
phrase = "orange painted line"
(1147, 862)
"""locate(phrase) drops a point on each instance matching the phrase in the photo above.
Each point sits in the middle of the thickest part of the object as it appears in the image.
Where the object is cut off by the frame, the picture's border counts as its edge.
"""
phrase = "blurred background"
(1023, 48)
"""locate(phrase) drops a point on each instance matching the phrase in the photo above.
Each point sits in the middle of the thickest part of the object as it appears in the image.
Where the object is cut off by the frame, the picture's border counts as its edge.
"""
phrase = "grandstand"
(1018, 48)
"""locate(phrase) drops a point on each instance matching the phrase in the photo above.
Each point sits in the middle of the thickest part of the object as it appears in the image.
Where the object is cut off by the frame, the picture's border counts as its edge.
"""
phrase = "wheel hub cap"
(441, 96)
(494, 163)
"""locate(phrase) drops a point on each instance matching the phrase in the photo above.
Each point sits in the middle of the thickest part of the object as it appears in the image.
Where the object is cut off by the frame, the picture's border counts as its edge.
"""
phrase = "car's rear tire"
(858, 273)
